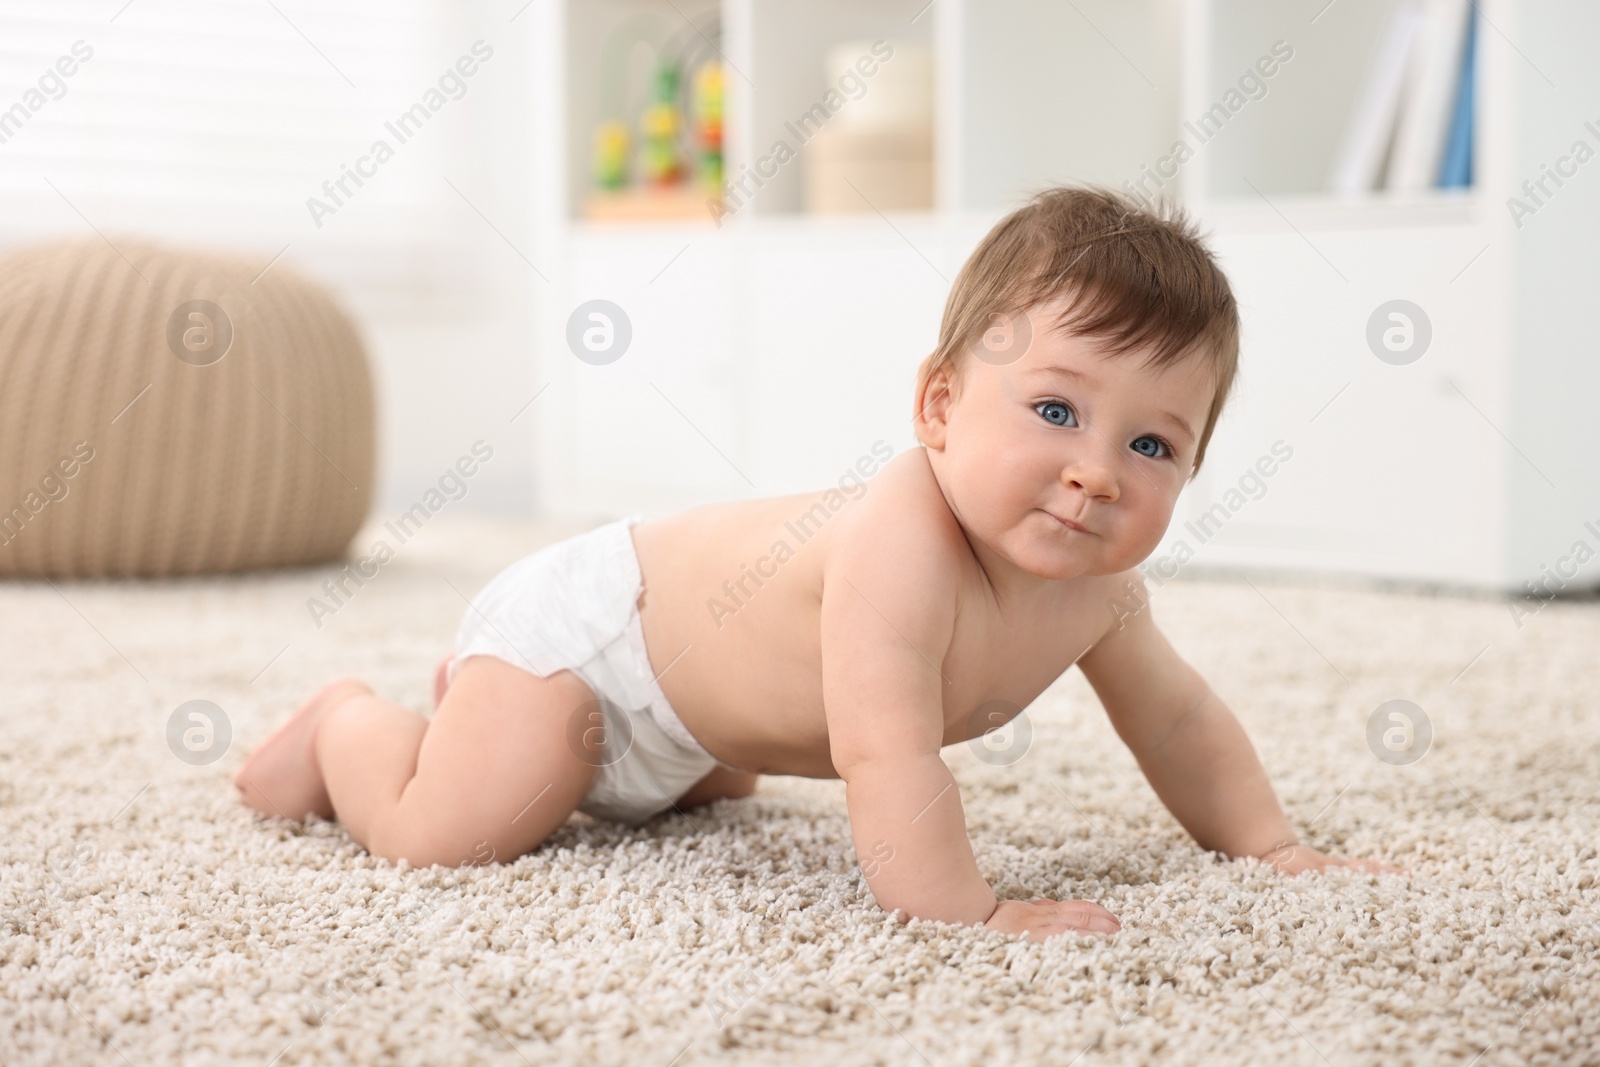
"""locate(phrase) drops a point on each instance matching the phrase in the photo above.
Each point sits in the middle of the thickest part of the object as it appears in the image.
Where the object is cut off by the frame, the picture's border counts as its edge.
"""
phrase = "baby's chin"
(1054, 561)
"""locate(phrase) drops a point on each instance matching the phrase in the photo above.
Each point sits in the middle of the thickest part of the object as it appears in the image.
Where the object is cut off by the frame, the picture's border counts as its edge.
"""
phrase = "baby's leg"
(489, 779)
(281, 775)
(441, 679)
(718, 784)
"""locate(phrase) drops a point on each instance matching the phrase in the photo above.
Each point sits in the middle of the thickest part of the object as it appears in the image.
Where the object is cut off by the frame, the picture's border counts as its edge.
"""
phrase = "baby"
(1086, 350)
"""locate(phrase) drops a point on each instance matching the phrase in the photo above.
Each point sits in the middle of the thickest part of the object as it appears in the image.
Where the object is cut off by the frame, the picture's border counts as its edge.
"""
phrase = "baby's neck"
(1009, 583)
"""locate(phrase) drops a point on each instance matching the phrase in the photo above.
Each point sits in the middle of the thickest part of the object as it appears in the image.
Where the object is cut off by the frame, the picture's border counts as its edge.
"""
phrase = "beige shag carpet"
(146, 918)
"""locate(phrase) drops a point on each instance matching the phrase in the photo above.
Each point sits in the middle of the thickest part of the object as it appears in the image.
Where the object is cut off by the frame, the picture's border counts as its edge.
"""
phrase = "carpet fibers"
(147, 918)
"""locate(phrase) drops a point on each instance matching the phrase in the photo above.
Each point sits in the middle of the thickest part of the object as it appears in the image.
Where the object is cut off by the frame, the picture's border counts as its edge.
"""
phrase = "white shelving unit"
(771, 351)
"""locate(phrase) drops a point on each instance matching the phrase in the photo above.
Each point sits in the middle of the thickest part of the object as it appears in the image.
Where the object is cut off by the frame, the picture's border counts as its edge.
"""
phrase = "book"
(1367, 141)
(1455, 170)
(1426, 115)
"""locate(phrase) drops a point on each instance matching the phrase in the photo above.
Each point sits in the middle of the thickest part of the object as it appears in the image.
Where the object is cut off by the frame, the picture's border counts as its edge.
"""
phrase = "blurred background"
(662, 252)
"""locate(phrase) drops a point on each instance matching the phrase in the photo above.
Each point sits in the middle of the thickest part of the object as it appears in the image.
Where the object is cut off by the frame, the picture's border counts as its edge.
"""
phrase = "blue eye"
(1157, 442)
(1055, 413)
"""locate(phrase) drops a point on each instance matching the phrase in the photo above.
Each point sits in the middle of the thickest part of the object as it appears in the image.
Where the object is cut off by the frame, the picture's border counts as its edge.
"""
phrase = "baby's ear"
(932, 407)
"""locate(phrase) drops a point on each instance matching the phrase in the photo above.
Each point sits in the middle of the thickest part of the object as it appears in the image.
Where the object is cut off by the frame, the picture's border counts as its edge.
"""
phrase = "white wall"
(211, 123)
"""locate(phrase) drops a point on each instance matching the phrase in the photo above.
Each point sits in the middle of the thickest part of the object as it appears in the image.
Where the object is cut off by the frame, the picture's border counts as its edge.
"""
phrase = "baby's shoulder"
(1123, 619)
(904, 504)
(902, 524)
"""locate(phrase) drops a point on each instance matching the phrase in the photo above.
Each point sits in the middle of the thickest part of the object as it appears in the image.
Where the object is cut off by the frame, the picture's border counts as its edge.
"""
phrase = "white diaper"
(574, 606)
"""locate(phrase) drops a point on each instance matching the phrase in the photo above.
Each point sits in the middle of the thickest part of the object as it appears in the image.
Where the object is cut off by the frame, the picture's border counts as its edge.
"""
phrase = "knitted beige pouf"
(165, 411)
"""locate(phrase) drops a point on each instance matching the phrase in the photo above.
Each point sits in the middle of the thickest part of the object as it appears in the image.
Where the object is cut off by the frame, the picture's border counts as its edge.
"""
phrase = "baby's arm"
(1192, 749)
(886, 624)
(888, 613)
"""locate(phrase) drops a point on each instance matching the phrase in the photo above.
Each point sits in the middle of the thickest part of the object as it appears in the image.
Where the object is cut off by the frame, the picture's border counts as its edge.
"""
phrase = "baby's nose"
(1091, 477)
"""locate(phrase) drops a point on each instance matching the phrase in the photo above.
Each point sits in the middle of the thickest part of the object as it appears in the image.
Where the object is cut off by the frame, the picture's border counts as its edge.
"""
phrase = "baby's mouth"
(1068, 523)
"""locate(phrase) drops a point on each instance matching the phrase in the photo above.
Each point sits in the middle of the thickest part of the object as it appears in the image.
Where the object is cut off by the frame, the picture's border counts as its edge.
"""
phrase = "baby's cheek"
(993, 495)
(1142, 537)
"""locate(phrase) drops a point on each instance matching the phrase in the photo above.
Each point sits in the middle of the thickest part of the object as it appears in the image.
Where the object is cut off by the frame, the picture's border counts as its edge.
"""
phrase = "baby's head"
(1087, 348)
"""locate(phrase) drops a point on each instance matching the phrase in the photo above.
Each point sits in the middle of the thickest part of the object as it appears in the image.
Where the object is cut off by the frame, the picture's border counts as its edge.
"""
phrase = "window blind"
(218, 121)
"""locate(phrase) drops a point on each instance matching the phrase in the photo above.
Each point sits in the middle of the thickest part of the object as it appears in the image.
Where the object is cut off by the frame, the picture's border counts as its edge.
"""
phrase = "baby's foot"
(441, 680)
(281, 777)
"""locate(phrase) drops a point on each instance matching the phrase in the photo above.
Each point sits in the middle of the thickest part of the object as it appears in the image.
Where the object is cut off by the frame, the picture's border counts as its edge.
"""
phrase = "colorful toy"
(708, 122)
(660, 158)
(611, 155)
(658, 153)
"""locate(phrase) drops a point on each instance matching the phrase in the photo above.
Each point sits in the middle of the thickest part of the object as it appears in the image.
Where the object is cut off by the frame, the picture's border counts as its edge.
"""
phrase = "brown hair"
(1155, 284)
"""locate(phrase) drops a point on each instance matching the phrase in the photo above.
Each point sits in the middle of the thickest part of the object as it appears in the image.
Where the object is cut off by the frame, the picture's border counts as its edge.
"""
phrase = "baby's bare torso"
(732, 621)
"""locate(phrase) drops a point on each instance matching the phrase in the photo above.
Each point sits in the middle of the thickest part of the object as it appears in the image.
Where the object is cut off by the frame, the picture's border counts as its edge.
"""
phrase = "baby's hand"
(1041, 918)
(1293, 859)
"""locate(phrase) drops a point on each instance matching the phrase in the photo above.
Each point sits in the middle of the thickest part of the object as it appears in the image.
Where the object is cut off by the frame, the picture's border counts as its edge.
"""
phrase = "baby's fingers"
(1056, 929)
(1082, 915)
(1375, 867)
(1042, 917)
